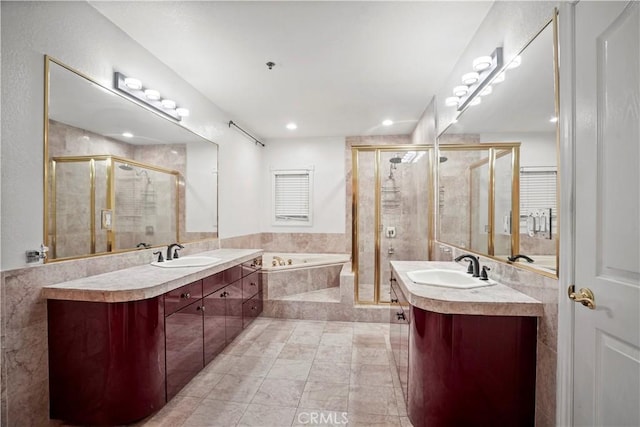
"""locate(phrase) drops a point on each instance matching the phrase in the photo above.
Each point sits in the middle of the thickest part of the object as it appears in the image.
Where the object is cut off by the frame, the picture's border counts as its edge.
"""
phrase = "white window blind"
(538, 188)
(292, 197)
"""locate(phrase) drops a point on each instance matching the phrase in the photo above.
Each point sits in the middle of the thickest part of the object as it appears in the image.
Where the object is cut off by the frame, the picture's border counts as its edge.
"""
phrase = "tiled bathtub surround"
(290, 242)
(24, 328)
(277, 284)
(545, 290)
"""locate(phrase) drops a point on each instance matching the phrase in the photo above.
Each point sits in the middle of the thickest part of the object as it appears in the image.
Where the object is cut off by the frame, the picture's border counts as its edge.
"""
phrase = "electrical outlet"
(391, 232)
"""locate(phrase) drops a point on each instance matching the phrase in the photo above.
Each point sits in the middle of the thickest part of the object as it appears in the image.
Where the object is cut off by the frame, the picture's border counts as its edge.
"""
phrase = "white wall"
(326, 157)
(536, 149)
(76, 34)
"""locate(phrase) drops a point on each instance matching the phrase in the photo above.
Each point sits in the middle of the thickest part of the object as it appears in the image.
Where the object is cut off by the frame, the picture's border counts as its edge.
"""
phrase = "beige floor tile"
(216, 413)
(264, 349)
(249, 365)
(370, 356)
(290, 369)
(274, 335)
(334, 353)
(174, 413)
(339, 327)
(372, 400)
(371, 375)
(303, 337)
(267, 416)
(296, 351)
(326, 396)
(371, 420)
(370, 340)
(202, 384)
(330, 372)
(236, 388)
(405, 422)
(277, 392)
(339, 339)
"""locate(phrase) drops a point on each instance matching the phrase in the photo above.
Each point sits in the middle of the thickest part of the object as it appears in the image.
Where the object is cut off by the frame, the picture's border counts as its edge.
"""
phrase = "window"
(292, 197)
(538, 199)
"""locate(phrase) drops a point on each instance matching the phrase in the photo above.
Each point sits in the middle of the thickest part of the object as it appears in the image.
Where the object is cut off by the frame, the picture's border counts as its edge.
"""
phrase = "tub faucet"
(173, 254)
(516, 257)
(280, 260)
(474, 261)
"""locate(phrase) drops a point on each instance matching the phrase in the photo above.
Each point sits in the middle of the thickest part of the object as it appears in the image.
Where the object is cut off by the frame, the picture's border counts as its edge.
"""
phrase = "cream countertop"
(144, 281)
(495, 300)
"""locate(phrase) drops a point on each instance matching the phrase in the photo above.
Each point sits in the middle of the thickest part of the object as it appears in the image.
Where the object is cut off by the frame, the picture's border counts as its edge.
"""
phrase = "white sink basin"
(447, 279)
(187, 261)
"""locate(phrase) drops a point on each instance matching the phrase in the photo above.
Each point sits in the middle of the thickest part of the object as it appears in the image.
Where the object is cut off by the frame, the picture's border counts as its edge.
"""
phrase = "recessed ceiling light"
(553, 119)
(292, 126)
(127, 134)
(387, 122)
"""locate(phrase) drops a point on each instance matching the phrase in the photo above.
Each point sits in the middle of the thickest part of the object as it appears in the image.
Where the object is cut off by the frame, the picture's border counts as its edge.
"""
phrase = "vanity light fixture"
(486, 91)
(451, 101)
(475, 101)
(499, 78)
(150, 97)
(387, 122)
(484, 79)
(470, 78)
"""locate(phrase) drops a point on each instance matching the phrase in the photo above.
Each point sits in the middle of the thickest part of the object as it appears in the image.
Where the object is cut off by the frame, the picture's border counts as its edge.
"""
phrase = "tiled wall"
(290, 242)
(24, 328)
(545, 290)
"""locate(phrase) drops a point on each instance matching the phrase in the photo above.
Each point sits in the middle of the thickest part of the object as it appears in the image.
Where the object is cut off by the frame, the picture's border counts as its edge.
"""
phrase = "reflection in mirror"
(521, 109)
(120, 177)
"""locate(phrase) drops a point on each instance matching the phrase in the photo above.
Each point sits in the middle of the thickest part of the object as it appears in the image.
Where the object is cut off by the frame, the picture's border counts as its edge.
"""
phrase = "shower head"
(125, 167)
(443, 159)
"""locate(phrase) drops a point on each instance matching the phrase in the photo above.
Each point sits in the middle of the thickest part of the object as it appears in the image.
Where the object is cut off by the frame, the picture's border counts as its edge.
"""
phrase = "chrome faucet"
(474, 266)
(173, 254)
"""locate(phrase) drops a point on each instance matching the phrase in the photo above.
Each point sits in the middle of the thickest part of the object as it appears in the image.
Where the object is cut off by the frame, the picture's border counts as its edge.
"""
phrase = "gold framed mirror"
(119, 176)
(523, 109)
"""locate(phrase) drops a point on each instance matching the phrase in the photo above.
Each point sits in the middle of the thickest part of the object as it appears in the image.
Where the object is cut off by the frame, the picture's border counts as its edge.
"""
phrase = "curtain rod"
(245, 132)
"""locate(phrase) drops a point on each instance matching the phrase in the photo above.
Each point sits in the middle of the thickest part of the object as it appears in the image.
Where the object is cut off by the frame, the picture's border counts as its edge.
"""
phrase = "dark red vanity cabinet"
(400, 315)
(106, 360)
(214, 317)
(471, 370)
(184, 346)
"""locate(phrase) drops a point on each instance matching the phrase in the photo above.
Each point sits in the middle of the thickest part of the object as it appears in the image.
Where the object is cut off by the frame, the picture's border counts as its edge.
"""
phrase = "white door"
(607, 244)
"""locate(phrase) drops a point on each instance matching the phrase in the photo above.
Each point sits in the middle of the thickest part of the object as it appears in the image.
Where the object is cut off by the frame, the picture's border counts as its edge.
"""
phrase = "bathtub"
(297, 261)
(301, 273)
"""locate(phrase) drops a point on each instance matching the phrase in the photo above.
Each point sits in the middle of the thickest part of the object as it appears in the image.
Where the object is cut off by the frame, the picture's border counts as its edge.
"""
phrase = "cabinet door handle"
(252, 284)
(224, 294)
(400, 316)
(200, 308)
(254, 308)
(394, 299)
(185, 295)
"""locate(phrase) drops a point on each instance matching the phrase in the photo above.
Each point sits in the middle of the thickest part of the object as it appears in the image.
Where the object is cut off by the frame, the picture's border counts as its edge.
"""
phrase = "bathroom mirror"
(522, 109)
(119, 176)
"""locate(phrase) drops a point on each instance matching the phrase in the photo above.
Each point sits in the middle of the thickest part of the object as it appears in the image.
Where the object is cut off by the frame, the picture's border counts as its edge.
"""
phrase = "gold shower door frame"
(377, 150)
(110, 199)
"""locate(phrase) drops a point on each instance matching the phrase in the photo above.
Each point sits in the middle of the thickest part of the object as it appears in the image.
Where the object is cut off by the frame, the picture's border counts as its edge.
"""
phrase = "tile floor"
(283, 372)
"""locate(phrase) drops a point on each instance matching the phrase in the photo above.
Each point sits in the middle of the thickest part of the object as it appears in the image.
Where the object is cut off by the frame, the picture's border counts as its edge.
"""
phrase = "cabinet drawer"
(249, 267)
(251, 285)
(213, 283)
(251, 309)
(181, 297)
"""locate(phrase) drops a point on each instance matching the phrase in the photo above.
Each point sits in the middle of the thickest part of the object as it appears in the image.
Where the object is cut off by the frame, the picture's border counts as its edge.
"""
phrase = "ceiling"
(341, 67)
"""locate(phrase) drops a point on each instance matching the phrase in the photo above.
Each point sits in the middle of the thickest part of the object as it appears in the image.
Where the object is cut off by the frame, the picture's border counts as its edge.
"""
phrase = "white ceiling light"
(451, 101)
(477, 100)
(387, 122)
(152, 94)
(460, 90)
(182, 112)
(553, 119)
(470, 78)
(127, 134)
(482, 63)
(292, 126)
(515, 62)
(132, 83)
(486, 91)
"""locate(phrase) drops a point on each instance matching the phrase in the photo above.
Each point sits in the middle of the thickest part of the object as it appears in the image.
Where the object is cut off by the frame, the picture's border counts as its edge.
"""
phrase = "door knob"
(585, 296)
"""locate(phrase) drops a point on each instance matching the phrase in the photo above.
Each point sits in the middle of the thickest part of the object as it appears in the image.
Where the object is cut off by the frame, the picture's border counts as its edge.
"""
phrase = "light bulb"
(470, 78)
(515, 62)
(132, 83)
(152, 94)
(477, 100)
(182, 112)
(460, 90)
(387, 122)
(451, 101)
(292, 126)
(169, 104)
(482, 63)
(486, 91)
(127, 134)
(499, 78)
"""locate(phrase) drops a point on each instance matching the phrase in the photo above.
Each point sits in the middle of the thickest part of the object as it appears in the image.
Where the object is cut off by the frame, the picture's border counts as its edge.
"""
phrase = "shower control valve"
(391, 232)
